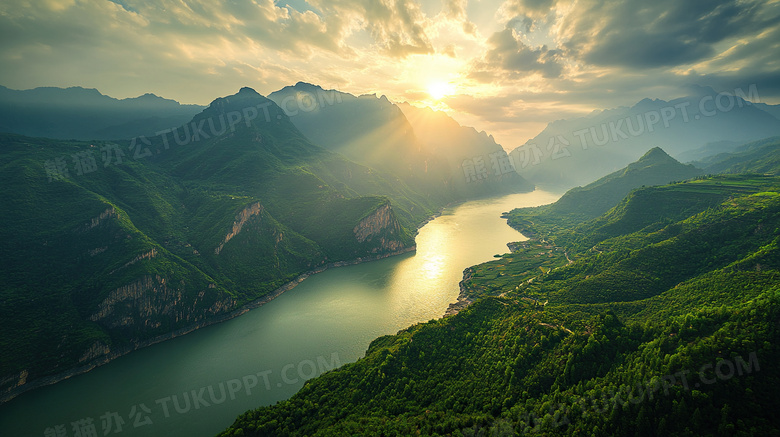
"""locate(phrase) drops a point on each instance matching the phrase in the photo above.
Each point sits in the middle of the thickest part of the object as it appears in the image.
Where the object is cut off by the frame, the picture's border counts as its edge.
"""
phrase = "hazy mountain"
(375, 132)
(86, 114)
(654, 168)
(109, 246)
(761, 157)
(709, 149)
(771, 109)
(586, 203)
(367, 129)
(463, 149)
(572, 152)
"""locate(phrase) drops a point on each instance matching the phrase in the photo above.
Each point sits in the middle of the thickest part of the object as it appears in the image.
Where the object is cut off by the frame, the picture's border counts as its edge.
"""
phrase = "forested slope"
(668, 327)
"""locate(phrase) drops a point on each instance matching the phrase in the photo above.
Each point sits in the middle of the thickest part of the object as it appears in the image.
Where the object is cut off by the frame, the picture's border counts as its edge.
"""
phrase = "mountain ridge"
(572, 152)
(185, 229)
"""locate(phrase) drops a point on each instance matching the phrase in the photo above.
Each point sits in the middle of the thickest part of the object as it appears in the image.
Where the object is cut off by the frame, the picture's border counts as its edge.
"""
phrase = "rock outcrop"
(382, 228)
(150, 301)
(109, 213)
(242, 217)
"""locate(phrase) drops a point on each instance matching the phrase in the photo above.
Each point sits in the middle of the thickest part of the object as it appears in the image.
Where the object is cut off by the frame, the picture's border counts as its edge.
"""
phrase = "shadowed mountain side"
(182, 231)
(366, 129)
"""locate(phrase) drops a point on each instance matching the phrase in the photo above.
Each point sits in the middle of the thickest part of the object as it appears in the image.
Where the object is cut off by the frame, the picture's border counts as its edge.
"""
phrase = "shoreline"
(257, 303)
(453, 308)
(464, 300)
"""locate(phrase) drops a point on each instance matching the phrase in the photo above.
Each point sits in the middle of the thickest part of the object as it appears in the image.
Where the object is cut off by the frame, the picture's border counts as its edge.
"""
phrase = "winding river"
(197, 384)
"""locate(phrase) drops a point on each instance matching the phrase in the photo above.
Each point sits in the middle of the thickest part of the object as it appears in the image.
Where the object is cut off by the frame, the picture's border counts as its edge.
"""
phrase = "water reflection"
(336, 312)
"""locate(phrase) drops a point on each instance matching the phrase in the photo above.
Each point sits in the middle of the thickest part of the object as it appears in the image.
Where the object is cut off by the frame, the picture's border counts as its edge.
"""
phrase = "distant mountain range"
(761, 157)
(86, 114)
(574, 152)
(366, 129)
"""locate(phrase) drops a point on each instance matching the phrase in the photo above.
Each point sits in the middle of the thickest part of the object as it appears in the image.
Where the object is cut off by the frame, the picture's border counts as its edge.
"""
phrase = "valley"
(274, 216)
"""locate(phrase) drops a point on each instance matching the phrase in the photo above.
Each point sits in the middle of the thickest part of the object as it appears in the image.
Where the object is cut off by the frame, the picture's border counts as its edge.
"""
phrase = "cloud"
(510, 56)
(456, 10)
(396, 26)
(531, 8)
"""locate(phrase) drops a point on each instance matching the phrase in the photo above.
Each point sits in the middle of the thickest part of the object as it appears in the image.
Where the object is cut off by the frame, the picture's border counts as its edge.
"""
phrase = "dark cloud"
(663, 33)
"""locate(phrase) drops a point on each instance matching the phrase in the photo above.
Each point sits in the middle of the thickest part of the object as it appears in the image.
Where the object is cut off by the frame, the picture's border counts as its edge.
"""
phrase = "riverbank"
(243, 309)
(463, 299)
(257, 303)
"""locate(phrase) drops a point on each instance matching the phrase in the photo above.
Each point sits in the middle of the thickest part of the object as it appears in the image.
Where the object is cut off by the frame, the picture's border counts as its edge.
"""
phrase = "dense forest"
(658, 317)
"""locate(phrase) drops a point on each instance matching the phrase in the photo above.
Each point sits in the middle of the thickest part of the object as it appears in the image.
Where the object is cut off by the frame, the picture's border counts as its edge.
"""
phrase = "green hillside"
(762, 157)
(668, 329)
(144, 238)
(584, 203)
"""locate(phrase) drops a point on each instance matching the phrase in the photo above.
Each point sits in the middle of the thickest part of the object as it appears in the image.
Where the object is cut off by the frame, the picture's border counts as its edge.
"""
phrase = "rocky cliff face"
(152, 301)
(242, 217)
(382, 228)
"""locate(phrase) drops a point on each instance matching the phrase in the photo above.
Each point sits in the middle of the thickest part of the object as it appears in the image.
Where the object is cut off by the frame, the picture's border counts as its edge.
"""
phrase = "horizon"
(504, 67)
(750, 96)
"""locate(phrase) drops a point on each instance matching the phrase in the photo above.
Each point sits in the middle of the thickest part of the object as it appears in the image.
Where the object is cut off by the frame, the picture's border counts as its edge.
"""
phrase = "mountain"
(109, 246)
(86, 114)
(581, 204)
(670, 329)
(463, 149)
(761, 157)
(373, 131)
(573, 152)
(654, 168)
(707, 150)
(771, 109)
(367, 129)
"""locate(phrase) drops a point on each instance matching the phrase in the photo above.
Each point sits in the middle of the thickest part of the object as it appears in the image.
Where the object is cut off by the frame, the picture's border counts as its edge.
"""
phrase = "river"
(195, 385)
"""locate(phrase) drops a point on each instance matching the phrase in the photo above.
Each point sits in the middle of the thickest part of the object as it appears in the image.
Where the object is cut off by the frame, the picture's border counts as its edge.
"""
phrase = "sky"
(504, 66)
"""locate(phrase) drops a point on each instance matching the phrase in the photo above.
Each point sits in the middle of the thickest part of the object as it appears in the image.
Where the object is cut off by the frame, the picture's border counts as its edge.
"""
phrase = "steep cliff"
(152, 301)
(380, 228)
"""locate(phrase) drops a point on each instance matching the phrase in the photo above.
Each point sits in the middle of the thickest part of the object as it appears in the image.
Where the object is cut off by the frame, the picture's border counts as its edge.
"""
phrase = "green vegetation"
(659, 317)
(762, 157)
(585, 203)
(97, 263)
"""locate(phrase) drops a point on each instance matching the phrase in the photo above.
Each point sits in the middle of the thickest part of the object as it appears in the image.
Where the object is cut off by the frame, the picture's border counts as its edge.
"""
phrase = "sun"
(439, 89)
